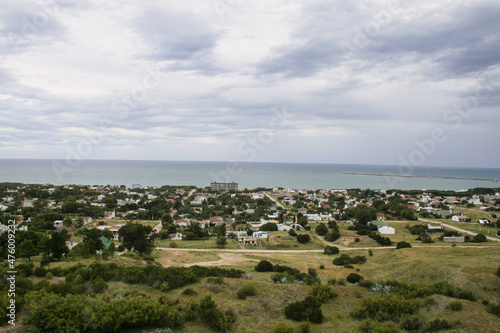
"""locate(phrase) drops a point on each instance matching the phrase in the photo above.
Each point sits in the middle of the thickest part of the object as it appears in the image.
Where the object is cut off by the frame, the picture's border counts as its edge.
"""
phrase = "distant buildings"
(223, 186)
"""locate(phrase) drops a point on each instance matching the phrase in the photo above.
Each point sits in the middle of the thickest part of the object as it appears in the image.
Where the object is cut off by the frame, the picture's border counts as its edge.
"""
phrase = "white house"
(58, 224)
(386, 230)
(457, 218)
(176, 236)
(3, 207)
(285, 227)
(434, 226)
(260, 234)
(109, 215)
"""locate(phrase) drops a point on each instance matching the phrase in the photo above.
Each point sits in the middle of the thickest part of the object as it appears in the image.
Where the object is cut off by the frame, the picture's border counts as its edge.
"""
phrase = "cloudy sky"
(370, 82)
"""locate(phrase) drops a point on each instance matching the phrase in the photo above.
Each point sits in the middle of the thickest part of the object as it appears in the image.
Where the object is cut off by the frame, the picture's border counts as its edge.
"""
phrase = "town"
(154, 249)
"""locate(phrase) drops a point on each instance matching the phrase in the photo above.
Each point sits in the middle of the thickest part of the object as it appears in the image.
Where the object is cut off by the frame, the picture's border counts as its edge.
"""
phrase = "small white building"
(260, 234)
(58, 224)
(386, 230)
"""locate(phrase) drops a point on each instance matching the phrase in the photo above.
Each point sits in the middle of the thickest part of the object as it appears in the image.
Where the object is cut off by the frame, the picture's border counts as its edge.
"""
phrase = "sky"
(360, 82)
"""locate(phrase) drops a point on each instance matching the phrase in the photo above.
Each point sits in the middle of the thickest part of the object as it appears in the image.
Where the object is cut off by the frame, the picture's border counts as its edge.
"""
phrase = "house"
(182, 223)
(283, 227)
(459, 218)
(248, 240)
(216, 220)
(454, 239)
(380, 217)
(176, 236)
(386, 230)
(483, 222)
(58, 224)
(260, 234)
(109, 215)
(236, 234)
(3, 207)
(434, 226)
(71, 244)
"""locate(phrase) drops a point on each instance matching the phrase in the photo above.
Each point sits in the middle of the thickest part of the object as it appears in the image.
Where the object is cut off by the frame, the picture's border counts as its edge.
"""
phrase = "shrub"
(49, 276)
(305, 327)
(173, 245)
(370, 253)
(498, 271)
(438, 325)
(357, 240)
(345, 260)
(321, 229)
(303, 238)
(455, 306)
(332, 236)
(480, 238)
(40, 272)
(99, 285)
(332, 281)
(308, 309)
(412, 323)
(292, 233)
(282, 328)
(213, 316)
(341, 282)
(385, 308)
(354, 278)
(245, 291)
(264, 266)
(321, 266)
(323, 293)
(494, 309)
(402, 245)
(329, 250)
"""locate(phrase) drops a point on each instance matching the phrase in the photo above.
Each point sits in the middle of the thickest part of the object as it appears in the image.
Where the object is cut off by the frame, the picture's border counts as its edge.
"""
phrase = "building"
(223, 186)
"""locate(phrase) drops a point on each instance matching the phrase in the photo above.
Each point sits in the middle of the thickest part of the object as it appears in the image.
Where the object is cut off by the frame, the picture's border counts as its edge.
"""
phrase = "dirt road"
(460, 229)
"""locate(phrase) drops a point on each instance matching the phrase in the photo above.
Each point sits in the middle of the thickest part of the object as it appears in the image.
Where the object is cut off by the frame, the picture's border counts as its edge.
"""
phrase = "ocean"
(247, 175)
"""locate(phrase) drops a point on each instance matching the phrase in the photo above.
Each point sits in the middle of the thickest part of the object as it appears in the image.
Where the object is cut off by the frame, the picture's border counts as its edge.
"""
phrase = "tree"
(221, 230)
(402, 245)
(354, 278)
(68, 222)
(221, 241)
(303, 238)
(321, 229)
(264, 266)
(332, 236)
(480, 238)
(269, 227)
(167, 218)
(136, 236)
(58, 246)
(27, 249)
(331, 250)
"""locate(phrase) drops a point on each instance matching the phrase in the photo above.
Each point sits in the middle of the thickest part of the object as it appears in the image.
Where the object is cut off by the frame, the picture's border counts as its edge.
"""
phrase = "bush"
(292, 233)
(264, 266)
(214, 317)
(40, 272)
(494, 309)
(480, 238)
(321, 229)
(323, 293)
(173, 245)
(329, 250)
(99, 285)
(370, 253)
(305, 327)
(455, 306)
(498, 271)
(438, 325)
(345, 260)
(341, 282)
(412, 324)
(308, 309)
(332, 236)
(354, 278)
(303, 238)
(321, 266)
(245, 291)
(282, 328)
(385, 308)
(402, 245)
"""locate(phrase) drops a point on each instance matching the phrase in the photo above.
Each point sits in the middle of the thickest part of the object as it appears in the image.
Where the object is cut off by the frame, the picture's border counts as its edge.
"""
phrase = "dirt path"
(273, 199)
(459, 229)
(225, 259)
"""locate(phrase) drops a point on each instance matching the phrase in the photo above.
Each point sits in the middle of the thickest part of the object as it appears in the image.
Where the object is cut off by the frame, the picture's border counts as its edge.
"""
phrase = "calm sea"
(248, 175)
